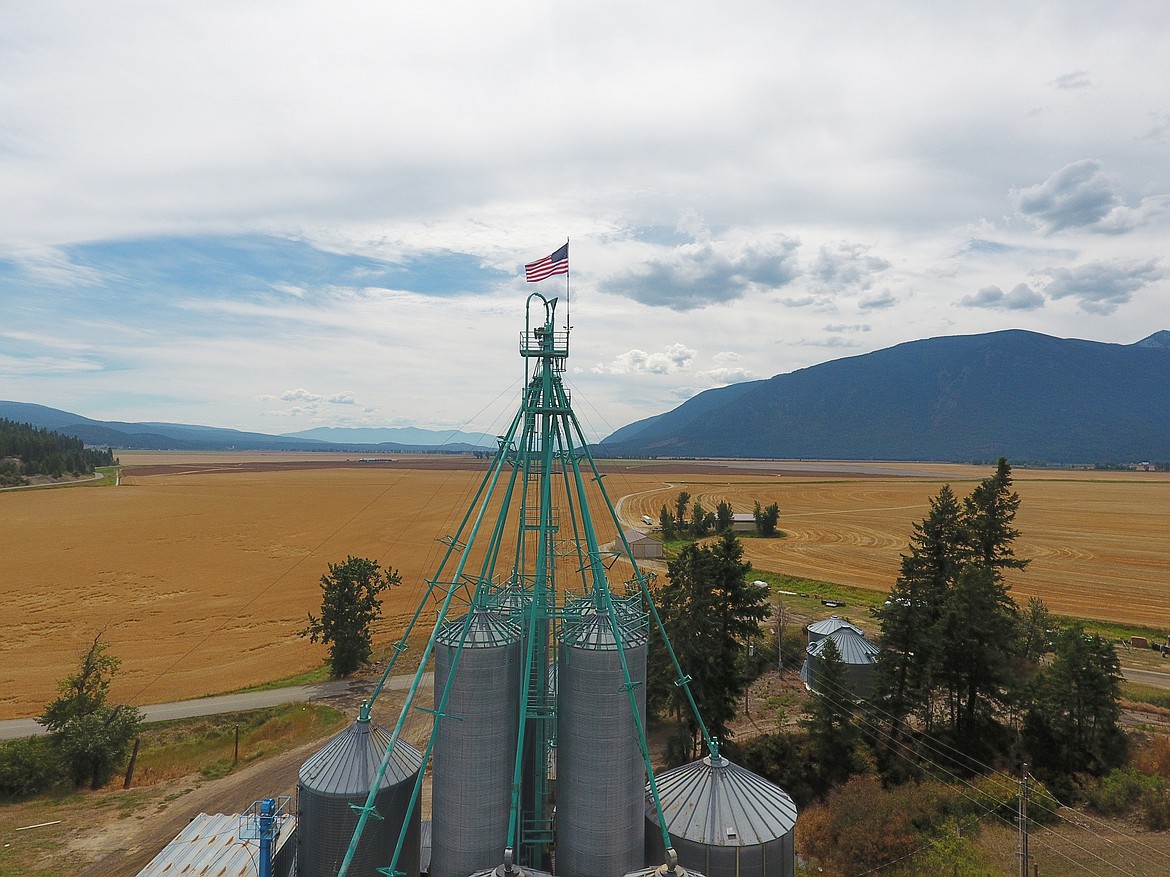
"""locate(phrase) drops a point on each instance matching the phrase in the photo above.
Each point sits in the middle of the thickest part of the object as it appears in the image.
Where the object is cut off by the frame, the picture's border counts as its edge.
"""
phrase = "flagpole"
(567, 324)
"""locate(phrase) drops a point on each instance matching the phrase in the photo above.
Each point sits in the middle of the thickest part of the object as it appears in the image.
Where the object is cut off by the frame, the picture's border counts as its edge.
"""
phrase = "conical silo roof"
(853, 647)
(832, 624)
(349, 762)
(487, 630)
(718, 803)
(592, 629)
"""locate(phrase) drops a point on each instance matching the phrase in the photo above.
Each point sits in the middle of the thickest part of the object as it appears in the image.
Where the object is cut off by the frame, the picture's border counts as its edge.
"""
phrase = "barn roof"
(633, 536)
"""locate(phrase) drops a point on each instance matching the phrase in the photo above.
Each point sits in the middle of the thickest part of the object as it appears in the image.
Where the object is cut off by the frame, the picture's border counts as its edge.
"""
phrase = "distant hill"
(187, 437)
(1027, 396)
(402, 435)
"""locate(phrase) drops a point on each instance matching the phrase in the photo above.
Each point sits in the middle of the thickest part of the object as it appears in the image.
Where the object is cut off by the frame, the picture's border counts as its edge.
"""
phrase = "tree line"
(27, 450)
(699, 522)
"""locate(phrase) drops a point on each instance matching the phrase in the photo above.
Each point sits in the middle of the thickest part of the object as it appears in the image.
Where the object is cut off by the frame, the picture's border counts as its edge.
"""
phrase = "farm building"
(226, 847)
(857, 653)
(642, 546)
(743, 523)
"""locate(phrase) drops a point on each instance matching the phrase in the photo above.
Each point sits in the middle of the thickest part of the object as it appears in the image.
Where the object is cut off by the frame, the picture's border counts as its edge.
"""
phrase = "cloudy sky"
(275, 216)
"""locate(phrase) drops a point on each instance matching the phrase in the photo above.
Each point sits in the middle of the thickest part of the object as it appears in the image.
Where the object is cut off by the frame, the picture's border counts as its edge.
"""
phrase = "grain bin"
(858, 655)
(723, 820)
(600, 772)
(475, 742)
(341, 774)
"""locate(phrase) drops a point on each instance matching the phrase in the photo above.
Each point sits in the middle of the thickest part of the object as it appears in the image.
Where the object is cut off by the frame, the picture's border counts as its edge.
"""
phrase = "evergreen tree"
(710, 613)
(349, 606)
(910, 615)
(832, 736)
(698, 520)
(989, 513)
(1073, 725)
(680, 509)
(976, 640)
(666, 523)
(723, 517)
(952, 634)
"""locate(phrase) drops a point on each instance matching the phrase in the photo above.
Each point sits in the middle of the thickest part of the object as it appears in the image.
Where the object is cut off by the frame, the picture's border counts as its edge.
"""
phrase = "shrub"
(28, 766)
(1116, 793)
(1155, 805)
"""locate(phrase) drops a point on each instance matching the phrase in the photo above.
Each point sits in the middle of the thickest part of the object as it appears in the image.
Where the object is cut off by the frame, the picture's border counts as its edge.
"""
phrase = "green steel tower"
(529, 565)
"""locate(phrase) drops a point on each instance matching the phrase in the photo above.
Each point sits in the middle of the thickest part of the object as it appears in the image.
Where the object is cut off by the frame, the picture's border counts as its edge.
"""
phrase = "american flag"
(557, 263)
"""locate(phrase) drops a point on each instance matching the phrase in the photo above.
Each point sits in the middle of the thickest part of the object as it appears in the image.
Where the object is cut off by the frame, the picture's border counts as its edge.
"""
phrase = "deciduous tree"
(92, 735)
(767, 519)
(349, 606)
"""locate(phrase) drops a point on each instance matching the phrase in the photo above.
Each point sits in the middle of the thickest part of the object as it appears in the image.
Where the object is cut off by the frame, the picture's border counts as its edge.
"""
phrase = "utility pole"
(780, 625)
(1022, 852)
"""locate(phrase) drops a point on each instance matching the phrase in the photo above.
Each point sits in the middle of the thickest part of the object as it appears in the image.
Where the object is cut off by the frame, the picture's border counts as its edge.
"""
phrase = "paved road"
(230, 703)
(254, 700)
(1146, 677)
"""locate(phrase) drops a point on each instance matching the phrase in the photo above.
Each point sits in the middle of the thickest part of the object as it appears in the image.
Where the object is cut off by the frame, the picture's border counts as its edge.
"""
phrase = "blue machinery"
(261, 822)
(527, 547)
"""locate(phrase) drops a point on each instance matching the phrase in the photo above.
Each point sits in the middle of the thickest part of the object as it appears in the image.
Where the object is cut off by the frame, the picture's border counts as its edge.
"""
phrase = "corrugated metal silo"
(600, 773)
(723, 820)
(857, 653)
(341, 774)
(475, 743)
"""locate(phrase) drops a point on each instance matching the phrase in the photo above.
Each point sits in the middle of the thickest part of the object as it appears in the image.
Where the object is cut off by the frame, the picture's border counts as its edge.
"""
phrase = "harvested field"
(201, 568)
(1099, 542)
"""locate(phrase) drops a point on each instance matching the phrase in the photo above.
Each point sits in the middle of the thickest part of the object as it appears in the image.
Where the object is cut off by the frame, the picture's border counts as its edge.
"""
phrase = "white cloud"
(299, 395)
(1021, 298)
(677, 357)
(345, 398)
(845, 267)
(1101, 287)
(708, 272)
(719, 377)
(1082, 195)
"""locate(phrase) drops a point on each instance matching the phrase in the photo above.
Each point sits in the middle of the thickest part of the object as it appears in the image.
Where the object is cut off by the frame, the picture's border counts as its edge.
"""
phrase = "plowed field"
(201, 569)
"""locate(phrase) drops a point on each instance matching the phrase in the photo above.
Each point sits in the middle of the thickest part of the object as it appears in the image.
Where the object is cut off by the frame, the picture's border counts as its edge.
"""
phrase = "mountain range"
(1027, 396)
(186, 437)
(1024, 395)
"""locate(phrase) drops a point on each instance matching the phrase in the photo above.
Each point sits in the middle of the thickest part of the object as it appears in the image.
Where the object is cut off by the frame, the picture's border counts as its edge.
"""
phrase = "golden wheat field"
(201, 568)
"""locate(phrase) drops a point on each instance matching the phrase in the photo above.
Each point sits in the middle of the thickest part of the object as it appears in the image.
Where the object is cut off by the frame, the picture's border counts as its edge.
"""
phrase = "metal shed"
(642, 546)
(211, 845)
